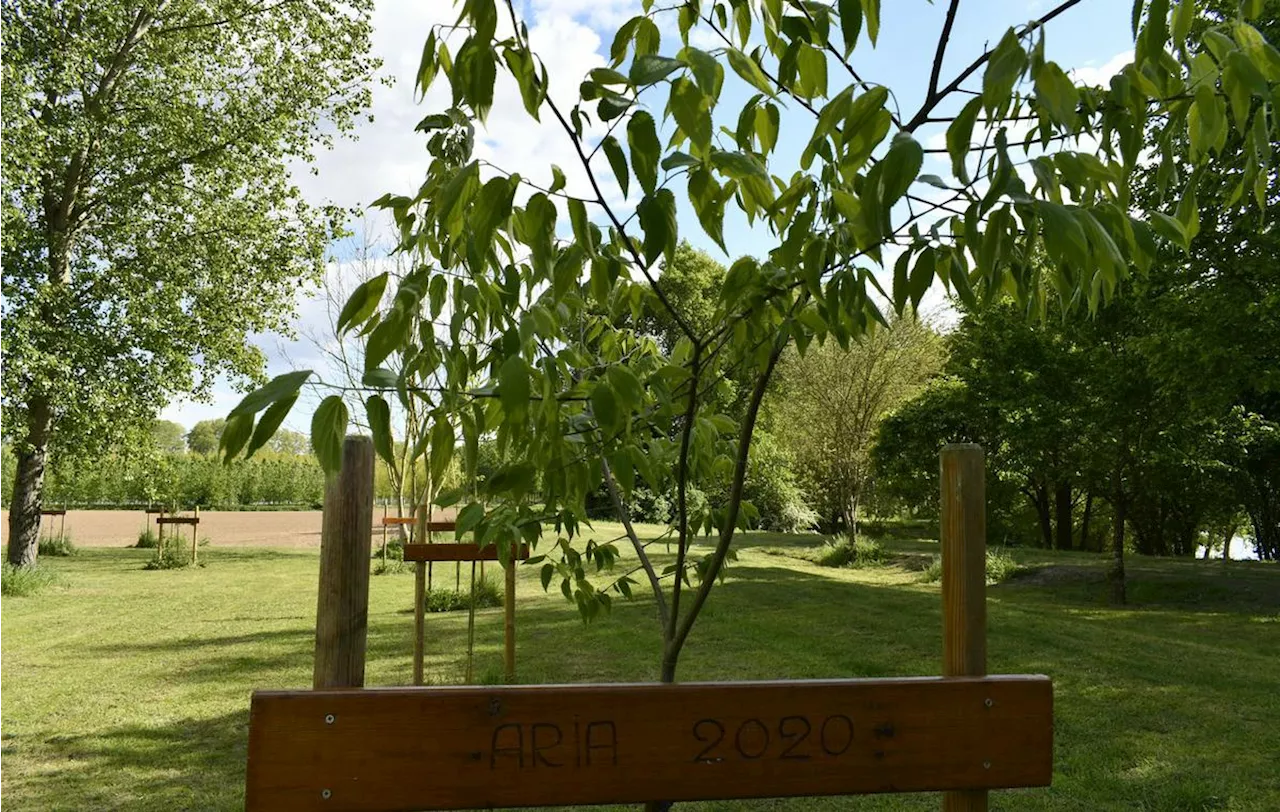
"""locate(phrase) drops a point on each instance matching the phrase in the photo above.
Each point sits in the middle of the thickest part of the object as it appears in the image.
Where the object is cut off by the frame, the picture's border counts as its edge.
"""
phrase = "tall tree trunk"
(1084, 521)
(28, 486)
(1227, 536)
(1062, 517)
(1115, 575)
(1040, 499)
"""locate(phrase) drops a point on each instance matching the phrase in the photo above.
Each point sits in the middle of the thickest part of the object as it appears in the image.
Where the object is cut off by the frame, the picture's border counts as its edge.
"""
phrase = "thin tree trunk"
(1040, 499)
(28, 486)
(1062, 518)
(1116, 573)
(1226, 541)
(1084, 521)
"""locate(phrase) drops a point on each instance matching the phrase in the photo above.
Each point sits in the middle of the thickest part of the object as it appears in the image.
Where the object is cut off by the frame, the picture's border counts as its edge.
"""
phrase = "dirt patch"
(120, 528)
(1057, 574)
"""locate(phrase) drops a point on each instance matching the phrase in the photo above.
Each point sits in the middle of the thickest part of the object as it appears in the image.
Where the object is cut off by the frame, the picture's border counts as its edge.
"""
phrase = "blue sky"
(573, 36)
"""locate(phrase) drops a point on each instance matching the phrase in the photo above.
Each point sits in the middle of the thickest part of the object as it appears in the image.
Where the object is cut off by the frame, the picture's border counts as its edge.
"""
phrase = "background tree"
(168, 437)
(537, 352)
(205, 435)
(150, 221)
(830, 401)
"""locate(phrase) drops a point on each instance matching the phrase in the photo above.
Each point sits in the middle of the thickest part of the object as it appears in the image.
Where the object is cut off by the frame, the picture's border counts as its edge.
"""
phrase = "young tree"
(574, 396)
(830, 401)
(150, 220)
(168, 437)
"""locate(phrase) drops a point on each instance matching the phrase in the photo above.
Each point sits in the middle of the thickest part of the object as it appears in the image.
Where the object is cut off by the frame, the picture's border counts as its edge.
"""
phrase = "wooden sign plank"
(53, 512)
(191, 520)
(482, 747)
(463, 551)
(391, 521)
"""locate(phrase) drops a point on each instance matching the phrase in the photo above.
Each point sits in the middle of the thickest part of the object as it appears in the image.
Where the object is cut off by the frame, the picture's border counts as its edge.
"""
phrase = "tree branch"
(624, 515)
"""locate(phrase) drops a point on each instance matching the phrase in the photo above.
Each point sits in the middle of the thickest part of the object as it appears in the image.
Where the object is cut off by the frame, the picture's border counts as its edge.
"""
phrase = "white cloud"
(1101, 74)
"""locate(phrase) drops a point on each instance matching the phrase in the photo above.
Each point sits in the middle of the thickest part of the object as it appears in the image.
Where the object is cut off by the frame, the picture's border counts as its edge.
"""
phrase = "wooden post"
(195, 532)
(964, 577)
(346, 540)
(422, 531)
(509, 609)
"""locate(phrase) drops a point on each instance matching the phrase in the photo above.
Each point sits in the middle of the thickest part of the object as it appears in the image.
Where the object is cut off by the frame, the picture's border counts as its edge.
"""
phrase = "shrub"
(932, 573)
(487, 594)
(59, 545)
(1000, 567)
(174, 554)
(147, 540)
(846, 552)
(21, 582)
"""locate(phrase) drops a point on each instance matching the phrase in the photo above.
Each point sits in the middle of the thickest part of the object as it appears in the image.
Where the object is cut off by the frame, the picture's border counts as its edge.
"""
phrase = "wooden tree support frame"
(62, 519)
(193, 521)
(426, 554)
(460, 747)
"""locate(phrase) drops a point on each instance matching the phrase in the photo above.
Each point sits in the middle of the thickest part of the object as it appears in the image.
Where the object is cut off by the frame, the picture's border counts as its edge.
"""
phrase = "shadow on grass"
(186, 764)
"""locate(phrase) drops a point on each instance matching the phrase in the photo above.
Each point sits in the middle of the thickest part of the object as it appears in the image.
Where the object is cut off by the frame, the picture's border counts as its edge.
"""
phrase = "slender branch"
(624, 515)
(932, 101)
(942, 48)
(731, 517)
(682, 487)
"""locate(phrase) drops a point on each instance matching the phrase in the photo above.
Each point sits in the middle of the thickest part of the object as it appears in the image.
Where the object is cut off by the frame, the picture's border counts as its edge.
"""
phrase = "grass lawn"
(127, 689)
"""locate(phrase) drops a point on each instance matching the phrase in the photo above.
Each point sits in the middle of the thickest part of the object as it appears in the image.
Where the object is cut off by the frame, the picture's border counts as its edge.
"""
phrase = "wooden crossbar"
(392, 521)
(191, 520)
(463, 551)
(53, 513)
(484, 747)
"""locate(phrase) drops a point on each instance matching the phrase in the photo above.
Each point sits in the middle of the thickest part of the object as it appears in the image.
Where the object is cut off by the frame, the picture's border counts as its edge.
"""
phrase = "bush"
(21, 582)
(932, 573)
(59, 545)
(147, 540)
(1000, 567)
(174, 554)
(487, 594)
(845, 552)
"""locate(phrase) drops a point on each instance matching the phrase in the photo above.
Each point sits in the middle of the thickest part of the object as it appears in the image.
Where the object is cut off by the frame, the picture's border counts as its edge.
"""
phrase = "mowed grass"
(129, 689)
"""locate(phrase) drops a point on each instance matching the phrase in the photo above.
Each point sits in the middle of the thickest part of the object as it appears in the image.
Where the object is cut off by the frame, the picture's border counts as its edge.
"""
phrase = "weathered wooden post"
(963, 533)
(195, 532)
(346, 541)
(509, 608)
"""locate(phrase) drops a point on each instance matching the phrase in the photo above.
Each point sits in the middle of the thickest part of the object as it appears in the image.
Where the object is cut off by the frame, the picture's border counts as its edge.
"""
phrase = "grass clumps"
(22, 582)
(147, 540)
(173, 554)
(846, 552)
(1000, 567)
(487, 594)
(58, 546)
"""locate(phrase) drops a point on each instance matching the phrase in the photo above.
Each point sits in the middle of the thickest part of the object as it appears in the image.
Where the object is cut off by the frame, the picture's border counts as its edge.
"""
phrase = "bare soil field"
(120, 528)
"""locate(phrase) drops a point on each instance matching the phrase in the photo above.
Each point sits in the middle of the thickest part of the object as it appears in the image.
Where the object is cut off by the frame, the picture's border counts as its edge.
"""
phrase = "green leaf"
(581, 225)
(514, 388)
(871, 11)
(707, 71)
(1063, 235)
(362, 302)
(692, 113)
(438, 289)
(604, 406)
(739, 165)
(767, 121)
(235, 434)
(1057, 93)
(850, 24)
(468, 518)
(379, 414)
(642, 138)
(328, 428)
(617, 160)
(492, 207)
(380, 378)
(540, 225)
(658, 221)
(811, 64)
(612, 105)
(385, 339)
(626, 385)
(651, 68)
(557, 180)
(677, 160)
(959, 134)
(706, 195)
(270, 422)
(1004, 68)
(279, 388)
(901, 165)
(750, 72)
(442, 443)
